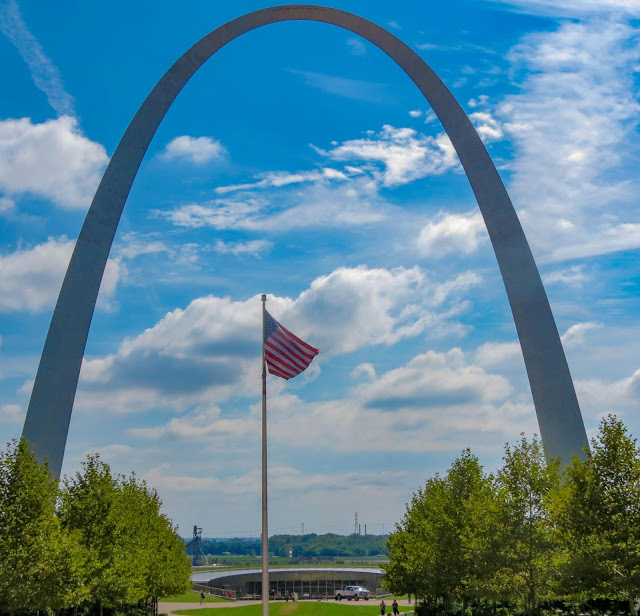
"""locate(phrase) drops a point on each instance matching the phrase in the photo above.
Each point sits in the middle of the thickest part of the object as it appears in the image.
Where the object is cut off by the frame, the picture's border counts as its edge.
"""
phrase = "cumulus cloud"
(452, 233)
(435, 380)
(210, 350)
(601, 396)
(404, 154)
(30, 279)
(197, 150)
(498, 354)
(53, 160)
(575, 335)
(435, 402)
(488, 127)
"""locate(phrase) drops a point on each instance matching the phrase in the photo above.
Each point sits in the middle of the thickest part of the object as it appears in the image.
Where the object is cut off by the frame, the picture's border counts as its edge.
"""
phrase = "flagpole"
(265, 526)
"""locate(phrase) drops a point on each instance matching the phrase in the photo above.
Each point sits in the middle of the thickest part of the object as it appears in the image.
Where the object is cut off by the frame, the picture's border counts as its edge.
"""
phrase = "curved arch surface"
(559, 418)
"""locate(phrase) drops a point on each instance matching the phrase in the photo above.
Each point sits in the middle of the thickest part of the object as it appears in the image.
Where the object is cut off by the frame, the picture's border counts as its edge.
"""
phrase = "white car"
(352, 592)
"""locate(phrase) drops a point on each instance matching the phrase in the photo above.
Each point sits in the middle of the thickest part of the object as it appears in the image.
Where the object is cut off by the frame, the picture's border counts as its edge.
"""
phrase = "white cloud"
(254, 248)
(45, 74)
(600, 397)
(452, 233)
(575, 335)
(575, 8)
(498, 354)
(197, 150)
(435, 402)
(366, 370)
(404, 154)
(574, 130)
(481, 101)
(434, 380)
(131, 245)
(488, 127)
(415, 113)
(51, 159)
(357, 46)
(209, 351)
(277, 179)
(31, 279)
(321, 205)
(572, 277)
(12, 414)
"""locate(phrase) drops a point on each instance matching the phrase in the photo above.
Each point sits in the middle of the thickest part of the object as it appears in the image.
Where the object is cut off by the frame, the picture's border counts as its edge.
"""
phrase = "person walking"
(383, 608)
(394, 605)
(201, 597)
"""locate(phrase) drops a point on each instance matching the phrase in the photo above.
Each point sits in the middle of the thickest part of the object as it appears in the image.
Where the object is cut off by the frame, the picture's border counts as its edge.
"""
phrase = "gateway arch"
(49, 413)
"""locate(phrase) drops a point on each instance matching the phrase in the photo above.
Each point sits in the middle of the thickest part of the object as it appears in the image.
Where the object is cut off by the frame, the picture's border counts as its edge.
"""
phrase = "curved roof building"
(308, 582)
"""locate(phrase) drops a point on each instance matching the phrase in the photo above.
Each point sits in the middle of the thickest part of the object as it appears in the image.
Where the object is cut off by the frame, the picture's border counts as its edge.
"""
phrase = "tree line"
(328, 545)
(529, 537)
(94, 544)
(311, 545)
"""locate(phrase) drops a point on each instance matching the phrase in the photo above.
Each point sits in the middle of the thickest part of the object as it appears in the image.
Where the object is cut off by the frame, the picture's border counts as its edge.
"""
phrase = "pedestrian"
(383, 608)
(286, 596)
(201, 597)
(394, 605)
(409, 598)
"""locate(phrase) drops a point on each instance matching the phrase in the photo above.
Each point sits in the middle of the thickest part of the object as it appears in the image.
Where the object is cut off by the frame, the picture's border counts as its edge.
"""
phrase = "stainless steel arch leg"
(47, 422)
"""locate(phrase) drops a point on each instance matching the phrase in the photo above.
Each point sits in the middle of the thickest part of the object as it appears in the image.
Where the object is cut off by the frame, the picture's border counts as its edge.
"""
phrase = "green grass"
(299, 608)
(191, 597)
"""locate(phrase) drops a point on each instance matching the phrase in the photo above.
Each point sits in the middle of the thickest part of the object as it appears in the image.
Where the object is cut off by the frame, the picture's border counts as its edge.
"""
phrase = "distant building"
(306, 581)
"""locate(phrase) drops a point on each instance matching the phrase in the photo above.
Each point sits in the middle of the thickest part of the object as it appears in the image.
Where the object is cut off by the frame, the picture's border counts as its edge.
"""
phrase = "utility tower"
(194, 548)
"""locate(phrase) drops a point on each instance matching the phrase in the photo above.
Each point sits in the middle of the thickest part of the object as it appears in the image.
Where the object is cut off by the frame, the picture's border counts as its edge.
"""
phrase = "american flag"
(286, 355)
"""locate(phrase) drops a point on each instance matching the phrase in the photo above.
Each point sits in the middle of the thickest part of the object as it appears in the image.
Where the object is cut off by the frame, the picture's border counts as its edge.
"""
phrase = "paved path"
(169, 608)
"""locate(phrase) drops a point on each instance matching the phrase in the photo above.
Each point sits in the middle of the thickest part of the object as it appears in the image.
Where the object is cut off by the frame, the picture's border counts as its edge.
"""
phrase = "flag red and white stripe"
(286, 355)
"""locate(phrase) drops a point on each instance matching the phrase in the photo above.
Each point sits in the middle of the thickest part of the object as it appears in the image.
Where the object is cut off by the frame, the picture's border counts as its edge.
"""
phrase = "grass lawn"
(299, 608)
(191, 597)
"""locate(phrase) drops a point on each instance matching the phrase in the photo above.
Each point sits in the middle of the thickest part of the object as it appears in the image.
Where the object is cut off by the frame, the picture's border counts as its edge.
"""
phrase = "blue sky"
(302, 163)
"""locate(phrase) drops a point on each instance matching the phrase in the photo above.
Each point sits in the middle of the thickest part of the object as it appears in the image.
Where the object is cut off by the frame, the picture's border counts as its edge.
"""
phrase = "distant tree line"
(304, 546)
(527, 538)
(95, 544)
(313, 545)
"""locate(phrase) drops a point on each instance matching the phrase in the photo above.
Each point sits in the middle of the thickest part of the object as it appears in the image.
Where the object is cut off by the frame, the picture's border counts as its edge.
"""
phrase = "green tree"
(526, 483)
(41, 566)
(134, 552)
(414, 547)
(488, 581)
(434, 551)
(599, 516)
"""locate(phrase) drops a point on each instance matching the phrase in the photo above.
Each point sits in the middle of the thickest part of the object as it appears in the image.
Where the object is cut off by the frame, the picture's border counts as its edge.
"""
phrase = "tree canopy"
(95, 542)
(529, 534)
